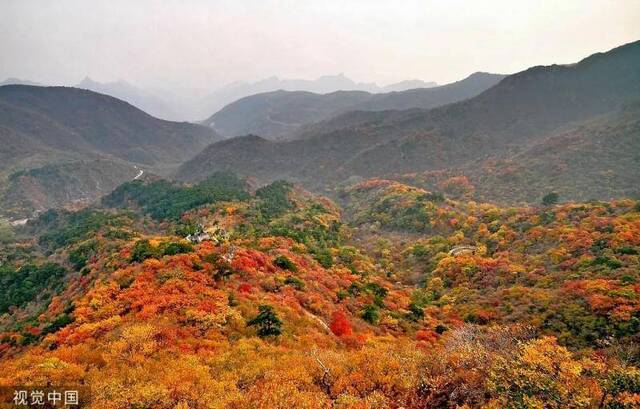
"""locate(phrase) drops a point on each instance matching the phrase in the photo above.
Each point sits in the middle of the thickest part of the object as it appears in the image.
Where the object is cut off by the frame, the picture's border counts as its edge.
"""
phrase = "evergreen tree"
(550, 199)
(267, 322)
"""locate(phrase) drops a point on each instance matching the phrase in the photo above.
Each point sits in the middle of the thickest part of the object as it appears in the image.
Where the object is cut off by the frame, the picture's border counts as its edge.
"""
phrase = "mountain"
(70, 132)
(280, 114)
(323, 85)
(432, 97)
(519, 112)
(522, 109)
(144, 100)
(72, 119)
(194, 104)
(408, 84)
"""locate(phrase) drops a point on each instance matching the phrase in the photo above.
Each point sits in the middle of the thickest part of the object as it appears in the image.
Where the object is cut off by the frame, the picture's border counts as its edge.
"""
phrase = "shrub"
(274, 200)
(609, 262)
(284, 263)
(324, 257)
(295, 282)
(21, 286)
(79, 256)
(59, 322)
(142, 250)
(173, 248)
(416, 313)
(62, 228)
(550, 198)
(165, 200)
(340, 324)
(370, 314)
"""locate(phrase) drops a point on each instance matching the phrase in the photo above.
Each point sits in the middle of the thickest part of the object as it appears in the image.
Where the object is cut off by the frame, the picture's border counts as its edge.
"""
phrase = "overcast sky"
(205, 43)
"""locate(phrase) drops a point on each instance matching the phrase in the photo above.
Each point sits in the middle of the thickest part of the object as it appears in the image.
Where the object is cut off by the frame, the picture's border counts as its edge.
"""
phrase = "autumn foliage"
(340, 324)
(407, 298)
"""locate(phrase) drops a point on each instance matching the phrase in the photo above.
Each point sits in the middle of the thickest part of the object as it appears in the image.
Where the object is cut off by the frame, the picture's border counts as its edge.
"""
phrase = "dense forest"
(389, 296)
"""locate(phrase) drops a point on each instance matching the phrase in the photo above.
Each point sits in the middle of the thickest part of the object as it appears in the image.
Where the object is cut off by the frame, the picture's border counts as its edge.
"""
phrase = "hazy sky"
(207, 43)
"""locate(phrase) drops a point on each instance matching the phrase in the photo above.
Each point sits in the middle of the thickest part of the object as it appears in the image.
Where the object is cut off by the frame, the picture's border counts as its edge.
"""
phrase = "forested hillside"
(62, 146)
(396, 297)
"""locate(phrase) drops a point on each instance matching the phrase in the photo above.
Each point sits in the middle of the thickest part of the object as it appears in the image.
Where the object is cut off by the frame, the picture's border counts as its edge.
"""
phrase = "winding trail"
(140, 173)
(318, 320)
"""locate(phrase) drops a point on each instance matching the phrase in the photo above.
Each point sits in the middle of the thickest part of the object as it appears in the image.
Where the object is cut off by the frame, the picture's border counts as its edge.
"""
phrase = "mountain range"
(280, 114)
(513, 120)
(195, 104)
(18, 81)
(512, 138)
(322, 85)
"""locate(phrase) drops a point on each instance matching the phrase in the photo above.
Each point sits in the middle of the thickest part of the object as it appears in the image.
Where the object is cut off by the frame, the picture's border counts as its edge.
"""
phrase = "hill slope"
(600, 159)
(50, 126)
(281, 113)
(291, 300)
(87, 121)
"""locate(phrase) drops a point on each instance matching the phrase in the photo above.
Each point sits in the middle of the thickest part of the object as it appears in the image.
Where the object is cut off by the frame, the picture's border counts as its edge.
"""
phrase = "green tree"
(267, 322)
(370, 314)
(284, 263)
(550, 198)
(142, 250)
(173, 248)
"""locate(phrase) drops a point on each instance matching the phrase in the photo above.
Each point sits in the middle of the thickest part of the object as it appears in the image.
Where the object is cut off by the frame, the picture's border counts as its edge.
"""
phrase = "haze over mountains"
(511, 118)
(323, 85)
(18, 81)
(280, 114)
(198, 104)
(145, 100)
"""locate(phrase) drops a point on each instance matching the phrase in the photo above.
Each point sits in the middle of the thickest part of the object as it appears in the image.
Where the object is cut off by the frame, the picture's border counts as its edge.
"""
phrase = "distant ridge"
(325, 84)
(408, 84)
(18, 81)
(281, 114)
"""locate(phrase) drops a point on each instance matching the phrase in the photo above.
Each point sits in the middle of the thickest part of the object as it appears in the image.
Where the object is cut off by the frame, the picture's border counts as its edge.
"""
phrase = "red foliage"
(340, 324)
(354, 340)
(427, 336)
(245, 288)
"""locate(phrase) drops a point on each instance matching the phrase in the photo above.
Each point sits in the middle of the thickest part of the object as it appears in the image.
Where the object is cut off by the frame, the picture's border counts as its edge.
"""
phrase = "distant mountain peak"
(18, 81)
(125, 91)
(409, 84)
(86, 81)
